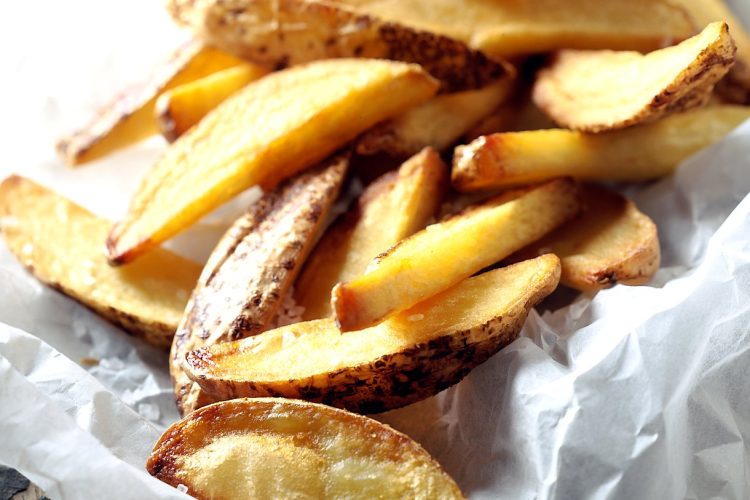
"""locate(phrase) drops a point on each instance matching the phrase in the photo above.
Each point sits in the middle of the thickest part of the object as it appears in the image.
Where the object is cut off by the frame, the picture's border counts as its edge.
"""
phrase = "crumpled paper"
(637, 392)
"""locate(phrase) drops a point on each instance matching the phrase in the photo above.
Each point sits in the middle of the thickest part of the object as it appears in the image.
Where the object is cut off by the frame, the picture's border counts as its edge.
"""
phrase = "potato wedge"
(438, 123)
(635, 154)
(610, 242)
(408, 357)
(252, 268)
(446, 253)
(60, 243)
(182, 107)
(604, 90)
(395, 206)
(270, 130)
(282, 33)
(513, 28)
(129, 118)
(278, 448)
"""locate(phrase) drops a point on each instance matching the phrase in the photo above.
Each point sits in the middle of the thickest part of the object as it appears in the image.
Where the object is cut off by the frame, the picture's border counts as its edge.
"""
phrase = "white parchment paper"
(638, 392)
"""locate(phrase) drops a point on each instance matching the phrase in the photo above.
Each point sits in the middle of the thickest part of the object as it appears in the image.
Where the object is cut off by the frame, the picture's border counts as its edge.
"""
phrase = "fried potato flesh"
(270, 130)
(638, 153)
(443, 254)
(182, 107)
(604, 90)
(392, 208)
(410, 356)
(278, 448)
(61, 244)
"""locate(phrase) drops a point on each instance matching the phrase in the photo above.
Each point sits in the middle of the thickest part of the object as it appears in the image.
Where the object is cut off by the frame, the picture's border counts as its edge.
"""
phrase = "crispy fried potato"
(270, 130)
(282, 33)
(60, 243)
(182, 107)
(604, 90)
(252, 268)
(438, 123)
(129, 118)
(395, 206)
(277, 448)
(512, 28)
(610, 242)
(635, 154)
(443, 254)
(408, 357)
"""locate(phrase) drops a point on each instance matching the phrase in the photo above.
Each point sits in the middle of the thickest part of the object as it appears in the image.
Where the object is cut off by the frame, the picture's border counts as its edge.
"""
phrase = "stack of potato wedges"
(486, 138)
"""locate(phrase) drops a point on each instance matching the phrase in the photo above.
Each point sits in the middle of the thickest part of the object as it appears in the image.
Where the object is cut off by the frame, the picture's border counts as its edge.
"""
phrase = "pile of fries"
(537, 107)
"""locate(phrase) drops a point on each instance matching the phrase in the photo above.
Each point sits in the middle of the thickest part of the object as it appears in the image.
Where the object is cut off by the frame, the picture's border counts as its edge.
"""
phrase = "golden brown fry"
(129, 118)
(60, 243)
(410, 356)
(252, 268)
(446, 253)
(182, 107)
(270, 130)
(282, 33)
(438, 123)
(639, 153)
(279, 448)
(604, 90)
(392, 208)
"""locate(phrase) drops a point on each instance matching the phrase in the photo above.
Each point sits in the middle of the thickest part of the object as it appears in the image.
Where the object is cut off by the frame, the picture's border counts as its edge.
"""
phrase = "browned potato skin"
(252, 268)
(268, 32)
(294, 427)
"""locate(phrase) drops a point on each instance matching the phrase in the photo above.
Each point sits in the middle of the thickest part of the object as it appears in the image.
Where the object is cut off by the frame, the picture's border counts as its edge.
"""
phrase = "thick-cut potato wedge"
(270, 130)
(277, 448)
(635, 154)
(282, 33)
(252, 268)
(610, 242)
(60, 243)
(604, 90)
(438, 123)
(517, 27)
(408, 357)
(129, 118)
(182, 107)
(395, 206)
(443, 254)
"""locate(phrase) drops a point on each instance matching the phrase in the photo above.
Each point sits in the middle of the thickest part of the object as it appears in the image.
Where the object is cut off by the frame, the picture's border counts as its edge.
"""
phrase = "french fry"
(252, 268)
(129, 118)
(635, 154)
(60, 244)
(410, 356)
(182, 107)
(392, 208)
(283, 33)
(270, 130)
(443, 254)
(438, 123)
(604, 90)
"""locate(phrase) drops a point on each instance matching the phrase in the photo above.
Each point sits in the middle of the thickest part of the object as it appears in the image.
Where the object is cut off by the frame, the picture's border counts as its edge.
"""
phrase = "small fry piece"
(267, 132)
(604, 90)
(252, 268)
(283, 33)
(446, 253)
(395, 206)
(182, 107)
(410, 356)
(438, 123)
(635, 154)
(278, 448)
(611, 241)
(60, 244)
(129, 118)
